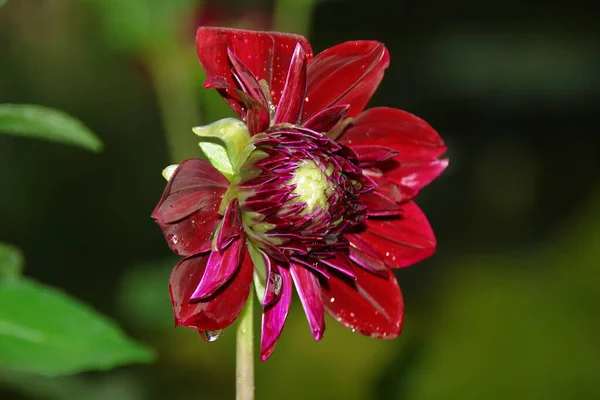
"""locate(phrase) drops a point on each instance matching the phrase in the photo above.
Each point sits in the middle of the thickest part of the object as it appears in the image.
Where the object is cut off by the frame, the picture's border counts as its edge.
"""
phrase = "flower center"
(313, 186)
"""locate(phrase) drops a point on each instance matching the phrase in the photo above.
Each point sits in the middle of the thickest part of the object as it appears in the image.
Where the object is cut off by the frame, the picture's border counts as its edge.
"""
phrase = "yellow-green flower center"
(312, 186)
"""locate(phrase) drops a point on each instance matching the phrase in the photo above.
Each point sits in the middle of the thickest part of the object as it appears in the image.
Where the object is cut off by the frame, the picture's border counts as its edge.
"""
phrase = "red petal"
(188, 209)
(325, 120)
(371, 305)
(190, 235)
(412, 177)
(402, 241)
(378, 205)
(413, 138)
(231, 226)
(266, 54)
(274, 317)
(217, 312)
(195, 185)
(290, 106)
(348, 73)
(368, 155)
(365, 257)
(220, 268)
(252, 111)
(308, 288)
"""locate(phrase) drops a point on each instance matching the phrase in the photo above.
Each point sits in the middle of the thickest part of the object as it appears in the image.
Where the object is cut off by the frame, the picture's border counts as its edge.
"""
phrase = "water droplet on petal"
(210, 336)
(276, 283)
(306, 99)
(331, 300)
(173, 238)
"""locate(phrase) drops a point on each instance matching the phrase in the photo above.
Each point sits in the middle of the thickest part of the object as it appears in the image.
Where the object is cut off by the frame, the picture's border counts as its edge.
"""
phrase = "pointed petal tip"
(318, 333)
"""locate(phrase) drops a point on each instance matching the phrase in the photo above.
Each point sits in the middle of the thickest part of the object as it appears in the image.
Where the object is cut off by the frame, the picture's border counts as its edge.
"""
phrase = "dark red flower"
(319, 193)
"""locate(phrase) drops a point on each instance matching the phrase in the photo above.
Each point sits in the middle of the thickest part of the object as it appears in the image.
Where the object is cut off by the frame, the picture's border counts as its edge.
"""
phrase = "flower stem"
(245, 354)
(293, 16)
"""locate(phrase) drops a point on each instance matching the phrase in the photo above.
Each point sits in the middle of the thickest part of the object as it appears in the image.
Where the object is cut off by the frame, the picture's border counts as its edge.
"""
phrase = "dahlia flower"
(308, 190)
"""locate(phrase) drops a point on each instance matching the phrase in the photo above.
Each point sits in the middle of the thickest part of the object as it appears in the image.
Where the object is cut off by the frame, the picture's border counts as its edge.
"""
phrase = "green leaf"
(11, 262)
(46, 123)
(44, 331)
(143, 295)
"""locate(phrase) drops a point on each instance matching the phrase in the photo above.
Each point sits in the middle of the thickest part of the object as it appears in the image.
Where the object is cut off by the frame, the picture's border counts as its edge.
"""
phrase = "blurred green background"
(507, 308)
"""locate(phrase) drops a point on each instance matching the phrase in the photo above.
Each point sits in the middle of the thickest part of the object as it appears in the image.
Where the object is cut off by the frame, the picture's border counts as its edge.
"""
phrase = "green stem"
(175, 85)
(293, 16)
(245, 354)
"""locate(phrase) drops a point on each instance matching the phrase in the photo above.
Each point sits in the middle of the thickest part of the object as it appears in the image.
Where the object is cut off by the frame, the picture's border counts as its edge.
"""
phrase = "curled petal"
(252, 111)
(290, 106)
(221, 266)
(402, 241)
(216, 312)
(308, 288)
(194, 186)
(371, 305)
(348, 73)
(325, 120)
(267, 56)
(231, 227)
(274, 316)
(188, 209)
(413, 138)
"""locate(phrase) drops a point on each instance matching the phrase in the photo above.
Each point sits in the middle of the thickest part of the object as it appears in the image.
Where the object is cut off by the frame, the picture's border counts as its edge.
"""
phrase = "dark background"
(508, 307)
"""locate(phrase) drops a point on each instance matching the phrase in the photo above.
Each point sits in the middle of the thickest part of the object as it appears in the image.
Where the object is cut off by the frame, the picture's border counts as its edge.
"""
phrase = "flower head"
(310, 191)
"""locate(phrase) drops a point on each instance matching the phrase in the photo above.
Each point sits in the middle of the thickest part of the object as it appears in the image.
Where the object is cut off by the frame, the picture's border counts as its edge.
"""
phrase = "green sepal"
(222, 142)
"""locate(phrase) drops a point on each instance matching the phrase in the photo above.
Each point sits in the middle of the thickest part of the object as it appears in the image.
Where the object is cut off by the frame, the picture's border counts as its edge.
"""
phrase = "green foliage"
(141, 25)
(11, 262)
(46, 123)
(47, 332)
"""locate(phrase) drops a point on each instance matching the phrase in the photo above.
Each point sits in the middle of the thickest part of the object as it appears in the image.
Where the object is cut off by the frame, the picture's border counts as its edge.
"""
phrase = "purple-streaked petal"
(214, 313)
(292, 98)
(348, 73)
(221, 266)
(325, 120)
(248, 82)
(363, 255)
(378, 205)
(371, 305)
(308, 288)
(340, 262)
(274, 316)
(402, 241)
(231, 225)
(252, 111)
